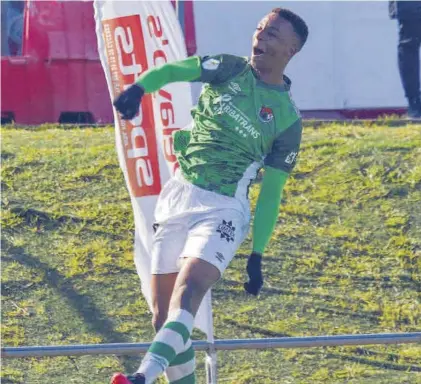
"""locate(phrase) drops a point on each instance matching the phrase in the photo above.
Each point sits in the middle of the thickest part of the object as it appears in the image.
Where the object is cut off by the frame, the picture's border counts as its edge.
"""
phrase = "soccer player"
(244, 120)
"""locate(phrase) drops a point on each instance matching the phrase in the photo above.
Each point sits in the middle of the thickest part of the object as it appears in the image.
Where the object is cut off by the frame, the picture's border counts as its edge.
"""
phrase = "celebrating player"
(245, 120)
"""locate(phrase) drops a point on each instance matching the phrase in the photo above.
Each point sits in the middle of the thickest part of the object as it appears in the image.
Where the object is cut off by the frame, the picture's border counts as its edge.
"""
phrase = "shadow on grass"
(224, 291)
(7, 155)
(47, 221)
(93, 316)
(357, 359)
(385, 281)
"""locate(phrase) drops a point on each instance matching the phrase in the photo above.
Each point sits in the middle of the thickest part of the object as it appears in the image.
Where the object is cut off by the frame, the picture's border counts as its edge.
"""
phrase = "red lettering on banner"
(154, 26)
(164, 98)
(125, 47)
(169, 145)
(160, 54)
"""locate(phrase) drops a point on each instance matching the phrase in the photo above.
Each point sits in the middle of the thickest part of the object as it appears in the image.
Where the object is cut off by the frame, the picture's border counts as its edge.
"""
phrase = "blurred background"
(348, 68)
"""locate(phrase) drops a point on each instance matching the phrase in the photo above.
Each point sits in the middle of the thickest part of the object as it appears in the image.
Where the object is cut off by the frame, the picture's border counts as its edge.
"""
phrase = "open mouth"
(258, 51)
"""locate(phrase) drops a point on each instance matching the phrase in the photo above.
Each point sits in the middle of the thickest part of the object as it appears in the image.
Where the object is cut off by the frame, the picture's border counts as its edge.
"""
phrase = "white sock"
(183, 366)
(169, 342)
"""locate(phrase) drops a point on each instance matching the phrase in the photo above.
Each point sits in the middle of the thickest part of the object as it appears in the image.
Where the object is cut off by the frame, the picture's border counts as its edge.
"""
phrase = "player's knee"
(199, 274)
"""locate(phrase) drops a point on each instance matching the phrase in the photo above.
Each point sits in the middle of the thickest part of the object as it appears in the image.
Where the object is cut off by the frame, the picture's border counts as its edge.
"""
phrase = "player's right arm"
(209, 69)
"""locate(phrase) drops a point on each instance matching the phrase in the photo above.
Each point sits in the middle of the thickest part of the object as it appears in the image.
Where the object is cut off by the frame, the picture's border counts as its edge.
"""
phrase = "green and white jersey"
(239, 125)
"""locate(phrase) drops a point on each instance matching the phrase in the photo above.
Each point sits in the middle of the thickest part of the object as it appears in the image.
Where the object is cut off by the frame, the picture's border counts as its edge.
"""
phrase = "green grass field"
(345, 259)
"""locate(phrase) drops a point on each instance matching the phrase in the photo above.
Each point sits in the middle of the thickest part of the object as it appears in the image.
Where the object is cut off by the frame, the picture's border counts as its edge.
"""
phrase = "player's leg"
(184, 364)
(169, 242)
(171, 207)
(181, 369)
(211, 244)
(161, 287)
(172, 343)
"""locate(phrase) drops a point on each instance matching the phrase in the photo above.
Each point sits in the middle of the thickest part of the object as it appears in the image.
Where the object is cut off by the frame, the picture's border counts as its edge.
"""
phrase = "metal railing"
(211, 348)
(218, 345)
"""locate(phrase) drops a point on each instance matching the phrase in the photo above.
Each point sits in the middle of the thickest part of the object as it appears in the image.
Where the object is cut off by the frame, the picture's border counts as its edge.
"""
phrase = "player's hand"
(254, 271)
(128, 102)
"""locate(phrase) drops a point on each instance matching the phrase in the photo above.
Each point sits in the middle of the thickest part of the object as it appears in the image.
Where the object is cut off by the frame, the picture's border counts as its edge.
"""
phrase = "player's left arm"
(278, 165)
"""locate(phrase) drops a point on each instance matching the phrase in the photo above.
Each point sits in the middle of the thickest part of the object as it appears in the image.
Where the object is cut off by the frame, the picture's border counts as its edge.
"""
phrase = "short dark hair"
(299, 25)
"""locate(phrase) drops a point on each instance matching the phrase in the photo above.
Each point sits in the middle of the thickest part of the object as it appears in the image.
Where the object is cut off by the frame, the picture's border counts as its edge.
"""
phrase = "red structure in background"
(58, 77)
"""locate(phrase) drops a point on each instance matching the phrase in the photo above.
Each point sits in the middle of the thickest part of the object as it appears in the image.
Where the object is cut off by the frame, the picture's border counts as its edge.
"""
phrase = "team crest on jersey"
(266, 114)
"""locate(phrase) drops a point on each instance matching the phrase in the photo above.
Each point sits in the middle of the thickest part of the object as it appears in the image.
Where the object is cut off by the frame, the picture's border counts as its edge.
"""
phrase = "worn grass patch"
(345, 258)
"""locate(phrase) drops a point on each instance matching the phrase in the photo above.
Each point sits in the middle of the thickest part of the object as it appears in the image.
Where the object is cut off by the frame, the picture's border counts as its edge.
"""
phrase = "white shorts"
(193, 222)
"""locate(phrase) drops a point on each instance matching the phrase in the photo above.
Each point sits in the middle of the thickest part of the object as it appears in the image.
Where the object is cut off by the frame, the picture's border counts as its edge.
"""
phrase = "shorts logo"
(226, 230)
(211, 64)
(155, 227)
(266, 114)
(220, 257)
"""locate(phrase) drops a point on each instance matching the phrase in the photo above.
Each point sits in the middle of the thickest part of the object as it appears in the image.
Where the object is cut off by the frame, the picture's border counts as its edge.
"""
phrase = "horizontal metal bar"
(319, 341)
(233, 344)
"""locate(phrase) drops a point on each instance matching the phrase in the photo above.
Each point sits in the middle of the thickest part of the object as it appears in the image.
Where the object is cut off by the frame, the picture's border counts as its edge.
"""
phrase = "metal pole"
(211, 362)
(233, 344)
(211, 365)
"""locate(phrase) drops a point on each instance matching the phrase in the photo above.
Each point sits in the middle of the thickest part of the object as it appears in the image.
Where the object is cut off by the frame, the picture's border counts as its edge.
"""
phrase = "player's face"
(274, 43)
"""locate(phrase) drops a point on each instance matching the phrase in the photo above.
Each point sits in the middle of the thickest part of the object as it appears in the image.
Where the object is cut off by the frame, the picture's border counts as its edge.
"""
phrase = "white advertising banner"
(132, 38)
